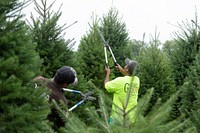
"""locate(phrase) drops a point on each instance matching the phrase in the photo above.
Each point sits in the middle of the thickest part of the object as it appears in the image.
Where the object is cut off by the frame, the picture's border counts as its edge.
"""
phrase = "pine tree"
(115, 33)
(191, 93)
(183, 56)
(155, 122)
(186, 47)
(22, 107)
(91, 55)
(156, 72)
(158, 119)
(51, 45)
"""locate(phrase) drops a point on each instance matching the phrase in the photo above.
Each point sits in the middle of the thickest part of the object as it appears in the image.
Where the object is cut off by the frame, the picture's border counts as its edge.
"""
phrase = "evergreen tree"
(183, 56)
(191, 93)
(91, 55)
(155, 71)
(115, 33)
(155, 122)
(22, 107)
(187, 45)
(52, 47)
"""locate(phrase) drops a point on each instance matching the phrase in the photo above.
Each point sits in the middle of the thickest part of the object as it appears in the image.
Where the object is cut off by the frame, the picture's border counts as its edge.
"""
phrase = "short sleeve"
(113, 85)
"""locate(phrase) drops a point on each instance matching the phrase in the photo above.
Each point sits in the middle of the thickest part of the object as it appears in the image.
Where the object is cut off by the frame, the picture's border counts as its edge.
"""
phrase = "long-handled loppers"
(109, 48)
(86, 96)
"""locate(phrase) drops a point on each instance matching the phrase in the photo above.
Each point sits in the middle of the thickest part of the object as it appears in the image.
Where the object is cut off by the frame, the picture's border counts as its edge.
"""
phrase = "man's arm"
(40, 78)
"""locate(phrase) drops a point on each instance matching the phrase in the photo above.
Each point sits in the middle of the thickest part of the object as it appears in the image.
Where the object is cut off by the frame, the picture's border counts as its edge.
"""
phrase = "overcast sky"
(140, 16)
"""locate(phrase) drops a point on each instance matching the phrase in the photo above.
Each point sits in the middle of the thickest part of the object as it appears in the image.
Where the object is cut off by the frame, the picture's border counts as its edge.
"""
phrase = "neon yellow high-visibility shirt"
(119, 87)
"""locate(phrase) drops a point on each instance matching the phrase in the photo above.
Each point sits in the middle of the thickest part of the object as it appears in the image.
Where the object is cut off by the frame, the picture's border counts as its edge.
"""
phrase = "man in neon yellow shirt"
(123, 108)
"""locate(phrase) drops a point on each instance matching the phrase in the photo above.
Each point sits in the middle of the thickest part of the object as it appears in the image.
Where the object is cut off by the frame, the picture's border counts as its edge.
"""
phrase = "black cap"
(64, 75)
(131, 65)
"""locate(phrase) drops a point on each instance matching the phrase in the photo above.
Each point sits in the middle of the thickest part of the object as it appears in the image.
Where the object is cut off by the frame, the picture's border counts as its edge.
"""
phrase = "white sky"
(140, 16)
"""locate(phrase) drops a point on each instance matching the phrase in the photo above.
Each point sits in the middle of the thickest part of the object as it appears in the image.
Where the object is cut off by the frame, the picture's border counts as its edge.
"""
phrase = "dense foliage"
(169, 74)
(155, 71)
(22, 107)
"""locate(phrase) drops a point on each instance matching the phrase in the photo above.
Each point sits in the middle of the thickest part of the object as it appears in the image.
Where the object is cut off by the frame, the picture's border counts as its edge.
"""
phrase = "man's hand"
(107, 70)
(119, 68)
